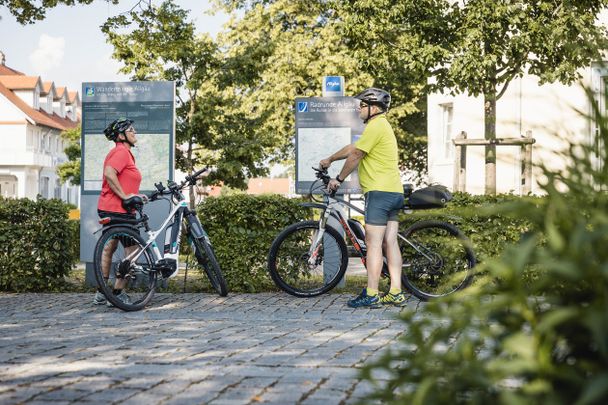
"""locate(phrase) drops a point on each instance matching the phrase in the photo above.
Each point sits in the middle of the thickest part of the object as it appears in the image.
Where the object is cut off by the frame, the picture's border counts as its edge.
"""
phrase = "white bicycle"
(123, 254)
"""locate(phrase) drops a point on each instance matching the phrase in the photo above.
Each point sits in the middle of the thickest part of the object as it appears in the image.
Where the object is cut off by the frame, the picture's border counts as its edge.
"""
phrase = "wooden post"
(460, 163)
(526, 166)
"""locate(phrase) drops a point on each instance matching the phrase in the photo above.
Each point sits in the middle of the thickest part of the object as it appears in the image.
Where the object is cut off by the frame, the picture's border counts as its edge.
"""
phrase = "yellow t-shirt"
(379, 170)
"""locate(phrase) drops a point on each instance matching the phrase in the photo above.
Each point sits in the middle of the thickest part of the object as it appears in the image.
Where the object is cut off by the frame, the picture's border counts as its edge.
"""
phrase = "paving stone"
(190, 349)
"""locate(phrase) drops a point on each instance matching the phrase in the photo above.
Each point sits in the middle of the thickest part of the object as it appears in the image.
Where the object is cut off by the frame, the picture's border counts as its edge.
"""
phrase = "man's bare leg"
(393, 254)
(374, 235)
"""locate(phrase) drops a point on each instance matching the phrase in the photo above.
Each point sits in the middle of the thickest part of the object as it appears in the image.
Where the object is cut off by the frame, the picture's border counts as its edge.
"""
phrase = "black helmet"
(116, 128)
(374, 96)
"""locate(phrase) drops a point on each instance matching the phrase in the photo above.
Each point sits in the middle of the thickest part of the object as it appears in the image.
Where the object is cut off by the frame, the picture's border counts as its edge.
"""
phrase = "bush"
(242, 228)
(487, 220)
(511, 339)
(38, 244)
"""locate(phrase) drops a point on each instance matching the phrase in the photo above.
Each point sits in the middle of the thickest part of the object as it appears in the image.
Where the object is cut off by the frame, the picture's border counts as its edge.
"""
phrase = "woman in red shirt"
(121, 180)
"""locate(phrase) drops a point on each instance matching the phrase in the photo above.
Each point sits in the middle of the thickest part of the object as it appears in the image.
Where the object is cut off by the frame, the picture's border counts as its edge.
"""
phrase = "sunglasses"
(362, 105)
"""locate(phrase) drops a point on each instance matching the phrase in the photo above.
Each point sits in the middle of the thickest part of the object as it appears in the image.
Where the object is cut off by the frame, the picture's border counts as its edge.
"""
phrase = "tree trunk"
(489, 99)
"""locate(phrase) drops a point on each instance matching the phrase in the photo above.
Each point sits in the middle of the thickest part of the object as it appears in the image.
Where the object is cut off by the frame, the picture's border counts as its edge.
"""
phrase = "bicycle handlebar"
(322, 175)
(174, 188)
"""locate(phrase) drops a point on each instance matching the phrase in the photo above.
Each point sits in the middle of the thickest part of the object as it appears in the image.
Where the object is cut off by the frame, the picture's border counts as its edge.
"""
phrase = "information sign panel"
(323, 126)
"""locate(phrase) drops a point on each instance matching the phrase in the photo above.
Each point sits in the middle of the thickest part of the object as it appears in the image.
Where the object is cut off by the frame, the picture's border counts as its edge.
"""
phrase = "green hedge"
(38, 244)
(242, 228)
(487, 220)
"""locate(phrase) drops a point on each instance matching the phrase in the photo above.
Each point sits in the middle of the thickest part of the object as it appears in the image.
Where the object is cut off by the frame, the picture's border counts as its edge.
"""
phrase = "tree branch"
(506, 85)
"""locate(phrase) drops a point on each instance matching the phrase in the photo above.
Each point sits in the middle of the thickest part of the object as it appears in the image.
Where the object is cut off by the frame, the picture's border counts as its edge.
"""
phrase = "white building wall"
(30, 97)
(8, 112)
(553, 112)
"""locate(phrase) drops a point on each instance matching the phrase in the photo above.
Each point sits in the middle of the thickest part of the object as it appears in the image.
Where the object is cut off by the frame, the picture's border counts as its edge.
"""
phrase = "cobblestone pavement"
(189, 349)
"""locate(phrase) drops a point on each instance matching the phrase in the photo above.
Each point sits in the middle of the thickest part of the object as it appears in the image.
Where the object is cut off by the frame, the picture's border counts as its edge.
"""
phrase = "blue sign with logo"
(303, 106)
(333, 86)
(89, 91)
(333, 83)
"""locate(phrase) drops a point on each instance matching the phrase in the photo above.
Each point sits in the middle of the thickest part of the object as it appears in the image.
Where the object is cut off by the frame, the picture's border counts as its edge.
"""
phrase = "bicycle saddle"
(133, 203)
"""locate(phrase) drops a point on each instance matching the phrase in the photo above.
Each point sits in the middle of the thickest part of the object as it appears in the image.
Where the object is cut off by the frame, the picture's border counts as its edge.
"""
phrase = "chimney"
(2, 58)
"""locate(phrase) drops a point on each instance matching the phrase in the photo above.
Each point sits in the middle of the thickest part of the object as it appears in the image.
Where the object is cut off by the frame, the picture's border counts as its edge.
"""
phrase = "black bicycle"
(123, 256)
(310, 258)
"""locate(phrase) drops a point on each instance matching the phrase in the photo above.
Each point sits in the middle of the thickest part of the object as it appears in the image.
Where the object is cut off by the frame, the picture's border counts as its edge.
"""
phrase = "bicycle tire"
(291, 269)
(144, 267)
(446, 265)
(206, 258)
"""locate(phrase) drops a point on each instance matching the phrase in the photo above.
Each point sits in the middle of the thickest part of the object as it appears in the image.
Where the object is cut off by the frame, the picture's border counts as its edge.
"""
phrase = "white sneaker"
(123, 297)
(99, 298)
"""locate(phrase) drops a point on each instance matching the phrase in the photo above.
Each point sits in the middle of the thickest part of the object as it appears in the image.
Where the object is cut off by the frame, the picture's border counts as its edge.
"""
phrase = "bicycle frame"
(329, 206)
(177, 214)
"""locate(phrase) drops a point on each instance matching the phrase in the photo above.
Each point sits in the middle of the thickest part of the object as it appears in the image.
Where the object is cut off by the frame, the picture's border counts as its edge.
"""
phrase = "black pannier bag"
(433, 196)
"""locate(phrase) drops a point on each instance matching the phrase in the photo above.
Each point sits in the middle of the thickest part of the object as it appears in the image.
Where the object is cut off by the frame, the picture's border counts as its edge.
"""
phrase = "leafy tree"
(279, 49)
(479, 46)
(30, 11)
(70, 170)
(160, 43)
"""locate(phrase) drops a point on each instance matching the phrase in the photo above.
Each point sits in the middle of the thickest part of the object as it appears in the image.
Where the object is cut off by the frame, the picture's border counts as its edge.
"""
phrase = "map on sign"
(151, 156)
(315, 144)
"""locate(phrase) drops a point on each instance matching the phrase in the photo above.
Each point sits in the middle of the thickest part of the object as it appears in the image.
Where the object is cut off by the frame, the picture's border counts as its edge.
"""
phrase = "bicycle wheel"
(206, 258)
(288, 260)
(437, 259)
(136, 279)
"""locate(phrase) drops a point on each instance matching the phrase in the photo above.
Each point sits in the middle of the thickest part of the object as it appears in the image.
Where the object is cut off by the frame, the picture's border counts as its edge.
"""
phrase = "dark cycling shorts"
(117, 218)
(382, 206)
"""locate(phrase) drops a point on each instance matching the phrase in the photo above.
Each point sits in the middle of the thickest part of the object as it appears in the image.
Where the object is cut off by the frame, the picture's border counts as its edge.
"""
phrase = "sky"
(68, 47)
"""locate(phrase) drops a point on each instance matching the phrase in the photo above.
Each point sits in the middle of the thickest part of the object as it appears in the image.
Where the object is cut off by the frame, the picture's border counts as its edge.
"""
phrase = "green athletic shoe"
(365, 301)
(397, 300)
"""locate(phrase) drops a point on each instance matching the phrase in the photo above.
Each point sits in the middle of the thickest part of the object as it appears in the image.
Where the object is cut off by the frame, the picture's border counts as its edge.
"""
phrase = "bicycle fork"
(313, 251)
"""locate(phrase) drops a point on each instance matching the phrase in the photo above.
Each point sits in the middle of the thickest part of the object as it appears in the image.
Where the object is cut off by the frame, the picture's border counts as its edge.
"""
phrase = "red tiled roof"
(16, 82)
(72, 96)
(46, 87)
(61, 91)
(66, 123)
(38, 117)
(6, 71)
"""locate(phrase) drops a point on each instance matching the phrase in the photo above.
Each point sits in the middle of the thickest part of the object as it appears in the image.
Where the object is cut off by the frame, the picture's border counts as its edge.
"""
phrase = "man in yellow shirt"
(376, 155)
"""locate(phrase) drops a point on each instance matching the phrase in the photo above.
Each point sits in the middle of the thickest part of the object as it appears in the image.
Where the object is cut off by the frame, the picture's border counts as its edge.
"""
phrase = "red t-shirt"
(129, 177)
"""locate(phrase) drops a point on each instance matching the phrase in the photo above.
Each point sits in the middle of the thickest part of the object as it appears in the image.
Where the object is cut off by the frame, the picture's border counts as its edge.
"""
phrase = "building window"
(44, 187)
(447, 114)
(57, 189)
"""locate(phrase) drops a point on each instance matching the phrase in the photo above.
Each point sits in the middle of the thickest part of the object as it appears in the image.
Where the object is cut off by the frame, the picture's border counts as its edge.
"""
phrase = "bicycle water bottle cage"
(133, 203)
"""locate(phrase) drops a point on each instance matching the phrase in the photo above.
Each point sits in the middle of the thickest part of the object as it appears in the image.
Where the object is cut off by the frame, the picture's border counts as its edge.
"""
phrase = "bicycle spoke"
(437, 260)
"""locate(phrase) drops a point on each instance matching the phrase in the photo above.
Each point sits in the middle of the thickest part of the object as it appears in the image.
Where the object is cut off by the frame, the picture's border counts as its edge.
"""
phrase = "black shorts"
(117, 218)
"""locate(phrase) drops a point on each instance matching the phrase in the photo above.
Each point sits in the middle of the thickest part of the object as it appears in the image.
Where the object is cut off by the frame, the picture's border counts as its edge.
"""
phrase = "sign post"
(151, 105)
